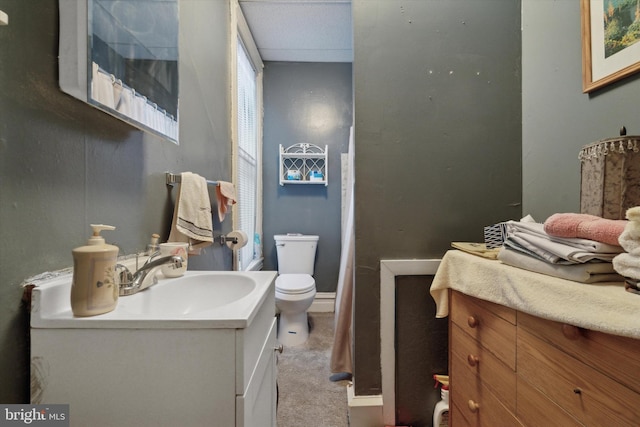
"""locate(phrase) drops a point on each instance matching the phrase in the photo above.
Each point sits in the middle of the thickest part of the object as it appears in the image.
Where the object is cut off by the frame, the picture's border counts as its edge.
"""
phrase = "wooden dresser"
(508, 368)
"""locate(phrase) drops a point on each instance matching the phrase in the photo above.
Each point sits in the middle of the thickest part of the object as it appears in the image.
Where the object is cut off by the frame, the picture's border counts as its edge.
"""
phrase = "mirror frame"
(75, 65)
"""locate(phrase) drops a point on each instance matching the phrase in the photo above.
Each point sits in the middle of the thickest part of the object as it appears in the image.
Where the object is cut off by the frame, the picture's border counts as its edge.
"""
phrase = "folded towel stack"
(628, 263)
(530, 238)
(530, 247)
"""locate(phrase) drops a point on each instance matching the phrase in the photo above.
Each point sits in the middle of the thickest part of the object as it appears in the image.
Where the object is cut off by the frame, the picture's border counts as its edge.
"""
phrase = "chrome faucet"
(131, 283)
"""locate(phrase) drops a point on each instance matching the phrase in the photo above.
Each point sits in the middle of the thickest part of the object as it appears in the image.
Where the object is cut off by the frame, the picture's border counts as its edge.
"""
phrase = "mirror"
(121, 56)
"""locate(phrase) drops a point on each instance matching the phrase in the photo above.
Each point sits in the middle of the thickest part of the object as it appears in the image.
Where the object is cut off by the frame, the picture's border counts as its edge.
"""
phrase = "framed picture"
(610, 36)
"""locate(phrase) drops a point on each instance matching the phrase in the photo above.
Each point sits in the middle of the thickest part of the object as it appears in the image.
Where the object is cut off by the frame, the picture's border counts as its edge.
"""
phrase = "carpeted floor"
(307, 397)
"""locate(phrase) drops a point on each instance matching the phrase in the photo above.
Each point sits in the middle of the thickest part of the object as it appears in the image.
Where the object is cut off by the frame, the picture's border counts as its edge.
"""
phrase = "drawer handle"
(473, 406)
(571, 332)
(473, 359)
(279, 348)
(472, 321)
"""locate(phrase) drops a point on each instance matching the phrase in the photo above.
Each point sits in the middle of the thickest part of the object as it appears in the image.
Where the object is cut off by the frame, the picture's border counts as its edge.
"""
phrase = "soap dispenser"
(94, 289)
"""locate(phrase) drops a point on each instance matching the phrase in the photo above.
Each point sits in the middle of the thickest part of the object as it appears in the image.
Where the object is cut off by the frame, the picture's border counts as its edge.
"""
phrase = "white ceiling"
(301, 30)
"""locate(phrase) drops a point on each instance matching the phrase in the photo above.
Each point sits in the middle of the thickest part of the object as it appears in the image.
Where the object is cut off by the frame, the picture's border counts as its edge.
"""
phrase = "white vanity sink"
(191, 351)
(199, 299)
(192, 294)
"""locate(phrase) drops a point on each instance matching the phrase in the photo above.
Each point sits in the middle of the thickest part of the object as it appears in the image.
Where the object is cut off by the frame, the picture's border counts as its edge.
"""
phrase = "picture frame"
(606, 58)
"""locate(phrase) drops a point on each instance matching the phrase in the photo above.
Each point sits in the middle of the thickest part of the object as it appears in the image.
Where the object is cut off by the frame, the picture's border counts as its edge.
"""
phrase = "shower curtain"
(341, 350)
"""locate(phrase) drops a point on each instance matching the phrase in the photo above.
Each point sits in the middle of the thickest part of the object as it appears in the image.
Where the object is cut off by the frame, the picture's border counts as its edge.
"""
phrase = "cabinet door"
(257, 406)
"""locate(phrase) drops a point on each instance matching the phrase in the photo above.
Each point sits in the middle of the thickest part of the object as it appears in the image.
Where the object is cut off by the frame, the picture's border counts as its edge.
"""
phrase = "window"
(248, 149)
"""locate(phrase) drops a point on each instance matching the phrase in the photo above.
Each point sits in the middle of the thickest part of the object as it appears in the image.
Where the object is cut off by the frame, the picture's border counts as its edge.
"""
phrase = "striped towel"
(192, 221)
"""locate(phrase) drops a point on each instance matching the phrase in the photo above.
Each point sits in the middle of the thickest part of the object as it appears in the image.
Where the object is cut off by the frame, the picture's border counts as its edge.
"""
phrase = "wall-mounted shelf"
(304, 164)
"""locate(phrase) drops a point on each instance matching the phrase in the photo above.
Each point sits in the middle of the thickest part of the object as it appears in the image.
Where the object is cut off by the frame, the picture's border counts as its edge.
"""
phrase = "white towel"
(627, 265)
(192, 220)
(633, 214)
(587, 272)
(630, 237)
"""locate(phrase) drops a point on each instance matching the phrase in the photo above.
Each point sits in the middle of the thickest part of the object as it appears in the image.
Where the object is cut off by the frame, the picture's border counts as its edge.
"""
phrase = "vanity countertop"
(605, 307)
(197, 300)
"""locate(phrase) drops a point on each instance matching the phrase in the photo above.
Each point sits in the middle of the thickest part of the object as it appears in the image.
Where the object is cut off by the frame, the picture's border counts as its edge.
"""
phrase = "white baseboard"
(364, 411)
(324, 302)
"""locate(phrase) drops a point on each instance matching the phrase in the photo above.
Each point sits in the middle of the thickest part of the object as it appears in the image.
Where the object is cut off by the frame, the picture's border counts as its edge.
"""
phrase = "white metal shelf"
(304, 164)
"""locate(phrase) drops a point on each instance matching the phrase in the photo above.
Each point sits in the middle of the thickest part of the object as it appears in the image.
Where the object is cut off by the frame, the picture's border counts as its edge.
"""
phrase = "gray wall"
(306, 102)
(64, 165)
(438, 140)
(438, 154)
(557, 118)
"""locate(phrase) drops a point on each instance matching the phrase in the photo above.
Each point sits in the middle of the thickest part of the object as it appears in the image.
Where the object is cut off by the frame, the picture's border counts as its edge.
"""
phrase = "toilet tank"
(296, 253)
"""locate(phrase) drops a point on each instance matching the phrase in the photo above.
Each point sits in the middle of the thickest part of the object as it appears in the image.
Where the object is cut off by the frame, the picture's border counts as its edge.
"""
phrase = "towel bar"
(175, 178)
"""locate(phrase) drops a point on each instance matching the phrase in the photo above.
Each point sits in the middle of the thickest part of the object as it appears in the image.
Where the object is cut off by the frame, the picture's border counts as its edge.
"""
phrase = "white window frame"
(240, 32)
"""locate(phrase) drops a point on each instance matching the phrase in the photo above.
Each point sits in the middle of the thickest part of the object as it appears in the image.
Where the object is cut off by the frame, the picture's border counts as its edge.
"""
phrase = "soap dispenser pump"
(94, 289)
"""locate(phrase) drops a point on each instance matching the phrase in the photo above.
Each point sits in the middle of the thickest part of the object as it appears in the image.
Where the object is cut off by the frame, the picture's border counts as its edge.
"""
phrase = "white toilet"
(295, 286)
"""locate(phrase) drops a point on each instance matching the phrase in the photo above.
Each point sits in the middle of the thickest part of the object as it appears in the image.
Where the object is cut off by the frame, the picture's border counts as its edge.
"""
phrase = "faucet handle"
(176, 262)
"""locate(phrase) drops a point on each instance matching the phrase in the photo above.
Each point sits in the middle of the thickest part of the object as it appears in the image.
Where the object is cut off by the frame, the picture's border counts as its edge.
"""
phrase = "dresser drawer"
(535, 409)
(470, 355)
(457, 416)
(491, 324)
(615, 356)
(588, 395)
(477, 404)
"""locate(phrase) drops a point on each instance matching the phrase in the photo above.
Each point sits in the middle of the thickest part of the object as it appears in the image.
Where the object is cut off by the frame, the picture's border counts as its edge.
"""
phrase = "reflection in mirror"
(129, 66)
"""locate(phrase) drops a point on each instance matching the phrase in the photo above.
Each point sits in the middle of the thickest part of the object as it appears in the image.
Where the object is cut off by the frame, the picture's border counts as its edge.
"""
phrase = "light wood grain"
(561, 375)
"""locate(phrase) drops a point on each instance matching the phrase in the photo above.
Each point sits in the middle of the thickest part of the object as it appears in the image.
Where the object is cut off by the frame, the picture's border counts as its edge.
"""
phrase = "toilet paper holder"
(234, 240)
(222, 239)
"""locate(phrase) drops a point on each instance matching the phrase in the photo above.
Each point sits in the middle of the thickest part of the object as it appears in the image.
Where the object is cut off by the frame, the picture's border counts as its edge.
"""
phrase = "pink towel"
(584, 226)
(226, 195)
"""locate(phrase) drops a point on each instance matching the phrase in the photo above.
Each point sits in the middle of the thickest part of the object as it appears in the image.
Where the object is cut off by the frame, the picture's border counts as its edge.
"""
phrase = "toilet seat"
(294, 284)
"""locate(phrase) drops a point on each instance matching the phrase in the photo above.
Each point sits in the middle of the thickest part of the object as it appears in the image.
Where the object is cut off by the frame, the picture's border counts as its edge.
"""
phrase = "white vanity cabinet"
(256, 371)
(181, 373)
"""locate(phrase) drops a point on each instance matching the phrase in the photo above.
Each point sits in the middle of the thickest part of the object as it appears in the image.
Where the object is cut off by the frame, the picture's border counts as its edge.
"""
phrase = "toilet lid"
(295, 283)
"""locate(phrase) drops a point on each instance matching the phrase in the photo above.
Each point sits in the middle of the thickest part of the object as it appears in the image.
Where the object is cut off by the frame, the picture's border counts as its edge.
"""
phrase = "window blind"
(247, 155)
